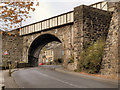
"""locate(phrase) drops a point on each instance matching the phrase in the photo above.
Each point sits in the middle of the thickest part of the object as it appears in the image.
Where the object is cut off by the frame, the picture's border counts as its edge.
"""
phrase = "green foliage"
(71, 59)
(91, 57)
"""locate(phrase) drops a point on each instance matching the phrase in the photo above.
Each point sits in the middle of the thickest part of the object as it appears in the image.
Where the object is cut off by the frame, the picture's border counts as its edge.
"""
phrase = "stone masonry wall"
(78, 33)
(13, 45)
(89, 25)
(63, 33)
(0, 48)
(111, 57)
(96, 23)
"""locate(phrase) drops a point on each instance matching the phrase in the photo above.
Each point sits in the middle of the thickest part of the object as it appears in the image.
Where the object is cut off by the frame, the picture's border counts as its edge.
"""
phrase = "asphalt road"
(46, 78)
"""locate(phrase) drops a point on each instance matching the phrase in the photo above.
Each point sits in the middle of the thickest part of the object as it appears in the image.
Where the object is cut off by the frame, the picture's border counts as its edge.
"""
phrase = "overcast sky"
(50, 8)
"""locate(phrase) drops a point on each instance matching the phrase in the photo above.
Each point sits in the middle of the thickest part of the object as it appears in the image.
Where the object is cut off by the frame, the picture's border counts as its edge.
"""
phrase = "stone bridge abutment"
(35, 42)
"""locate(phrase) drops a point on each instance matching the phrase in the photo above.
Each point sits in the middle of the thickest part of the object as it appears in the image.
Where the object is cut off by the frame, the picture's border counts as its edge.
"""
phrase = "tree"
(13, 13)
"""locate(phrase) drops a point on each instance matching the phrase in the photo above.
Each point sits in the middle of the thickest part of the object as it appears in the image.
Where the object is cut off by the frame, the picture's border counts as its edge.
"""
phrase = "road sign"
(5, 53)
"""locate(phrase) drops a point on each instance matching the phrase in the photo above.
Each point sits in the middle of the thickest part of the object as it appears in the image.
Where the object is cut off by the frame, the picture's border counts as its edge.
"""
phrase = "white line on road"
(45, 75)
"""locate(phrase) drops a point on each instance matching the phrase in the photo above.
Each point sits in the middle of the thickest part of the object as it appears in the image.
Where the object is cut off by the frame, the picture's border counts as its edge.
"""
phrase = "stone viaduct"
(73, 29)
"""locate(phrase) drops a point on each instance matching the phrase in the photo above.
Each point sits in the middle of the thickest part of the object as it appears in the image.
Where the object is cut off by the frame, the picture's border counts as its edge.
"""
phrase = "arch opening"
(36, 47)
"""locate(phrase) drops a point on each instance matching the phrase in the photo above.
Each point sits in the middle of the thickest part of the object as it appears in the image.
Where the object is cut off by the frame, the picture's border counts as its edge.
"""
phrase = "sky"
(50, 8)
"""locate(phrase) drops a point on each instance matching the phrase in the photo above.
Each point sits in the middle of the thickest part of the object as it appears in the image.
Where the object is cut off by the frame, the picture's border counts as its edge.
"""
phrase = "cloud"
(50, 8)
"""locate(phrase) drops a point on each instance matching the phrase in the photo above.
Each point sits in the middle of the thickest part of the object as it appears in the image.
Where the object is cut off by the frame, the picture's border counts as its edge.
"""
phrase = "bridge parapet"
(59, 20)
(62, 19)
(104, 5)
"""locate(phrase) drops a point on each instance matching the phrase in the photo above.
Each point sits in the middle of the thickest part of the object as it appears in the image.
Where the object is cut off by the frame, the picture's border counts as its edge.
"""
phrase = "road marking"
(45, 75)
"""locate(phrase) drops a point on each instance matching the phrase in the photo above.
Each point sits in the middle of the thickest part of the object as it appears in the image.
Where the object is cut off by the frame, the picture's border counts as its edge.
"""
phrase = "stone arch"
(36, 46)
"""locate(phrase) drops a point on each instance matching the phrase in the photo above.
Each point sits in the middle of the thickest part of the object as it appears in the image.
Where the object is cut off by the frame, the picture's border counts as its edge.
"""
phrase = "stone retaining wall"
(13, 45)
(90, 24)
(111, 57)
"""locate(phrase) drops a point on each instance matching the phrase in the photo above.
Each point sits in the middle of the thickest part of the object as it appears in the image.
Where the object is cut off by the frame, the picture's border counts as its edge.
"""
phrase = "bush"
(91, 57)
(71, 60)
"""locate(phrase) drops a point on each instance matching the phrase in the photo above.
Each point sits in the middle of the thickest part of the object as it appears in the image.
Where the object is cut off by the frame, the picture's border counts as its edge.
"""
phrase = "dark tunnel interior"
(36, 47)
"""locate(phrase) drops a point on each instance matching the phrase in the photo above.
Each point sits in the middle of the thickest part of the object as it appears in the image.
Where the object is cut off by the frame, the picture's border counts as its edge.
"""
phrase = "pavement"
(87, 76)
(59, 68)
(9, 82)
(1, 79)
(54, 77)
(40, 77)
(52, 67)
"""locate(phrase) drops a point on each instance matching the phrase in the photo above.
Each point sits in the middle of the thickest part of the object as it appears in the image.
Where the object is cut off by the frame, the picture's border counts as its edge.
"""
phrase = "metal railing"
(101, 5)
(104, 5)
(48, 23)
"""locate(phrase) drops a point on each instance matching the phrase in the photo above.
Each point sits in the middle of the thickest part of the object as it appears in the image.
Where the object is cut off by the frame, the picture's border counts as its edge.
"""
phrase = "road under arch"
(36, 47)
